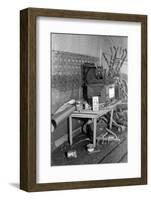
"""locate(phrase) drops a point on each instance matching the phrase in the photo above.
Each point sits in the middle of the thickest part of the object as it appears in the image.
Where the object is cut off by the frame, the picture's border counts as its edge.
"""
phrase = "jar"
(79, 106)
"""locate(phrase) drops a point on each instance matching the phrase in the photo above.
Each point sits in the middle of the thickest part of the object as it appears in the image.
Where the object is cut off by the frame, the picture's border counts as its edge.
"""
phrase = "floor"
(109, 152)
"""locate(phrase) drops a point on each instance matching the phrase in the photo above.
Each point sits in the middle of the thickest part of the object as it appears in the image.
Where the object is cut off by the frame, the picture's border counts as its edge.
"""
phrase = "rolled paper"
(60, 116)
(65, 105)
(72, 101)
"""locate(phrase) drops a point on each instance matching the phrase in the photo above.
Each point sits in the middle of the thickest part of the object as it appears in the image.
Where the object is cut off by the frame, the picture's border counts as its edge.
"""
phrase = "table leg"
(70, 130)
(94, 131)
(111, 119)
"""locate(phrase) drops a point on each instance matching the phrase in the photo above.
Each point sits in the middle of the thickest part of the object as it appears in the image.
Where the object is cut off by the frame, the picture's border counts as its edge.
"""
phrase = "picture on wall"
(83, 99)
(89, 95)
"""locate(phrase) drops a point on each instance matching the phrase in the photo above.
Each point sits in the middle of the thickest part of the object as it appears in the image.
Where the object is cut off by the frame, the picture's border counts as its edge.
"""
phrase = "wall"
(9, 100)
(87, 45)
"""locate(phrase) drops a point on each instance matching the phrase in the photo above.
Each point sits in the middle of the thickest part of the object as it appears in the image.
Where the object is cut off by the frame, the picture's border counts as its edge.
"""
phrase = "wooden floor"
(112, 152)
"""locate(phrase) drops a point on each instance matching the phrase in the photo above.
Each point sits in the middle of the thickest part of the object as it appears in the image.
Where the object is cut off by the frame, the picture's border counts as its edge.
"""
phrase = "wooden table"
(94, 115)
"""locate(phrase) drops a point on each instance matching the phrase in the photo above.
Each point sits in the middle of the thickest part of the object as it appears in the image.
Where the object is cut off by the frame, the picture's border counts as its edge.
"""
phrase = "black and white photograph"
(89, 93)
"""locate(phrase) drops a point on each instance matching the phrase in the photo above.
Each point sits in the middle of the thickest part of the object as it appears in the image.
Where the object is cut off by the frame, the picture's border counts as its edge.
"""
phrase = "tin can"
(79, 106)
(90, 148)
(86, 106)
(72, 154)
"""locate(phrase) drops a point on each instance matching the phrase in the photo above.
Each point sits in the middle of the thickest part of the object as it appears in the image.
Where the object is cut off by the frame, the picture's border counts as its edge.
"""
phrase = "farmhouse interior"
(89, 94)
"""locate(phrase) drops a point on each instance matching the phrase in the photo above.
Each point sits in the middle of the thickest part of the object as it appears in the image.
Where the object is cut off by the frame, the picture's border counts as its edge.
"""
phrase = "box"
(95, 103)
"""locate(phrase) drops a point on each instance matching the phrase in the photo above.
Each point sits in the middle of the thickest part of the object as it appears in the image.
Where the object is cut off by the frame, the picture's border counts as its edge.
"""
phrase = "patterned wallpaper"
(66, 76)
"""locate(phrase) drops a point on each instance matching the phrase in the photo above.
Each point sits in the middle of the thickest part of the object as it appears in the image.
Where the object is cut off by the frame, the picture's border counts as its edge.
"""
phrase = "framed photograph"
(83, 99)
